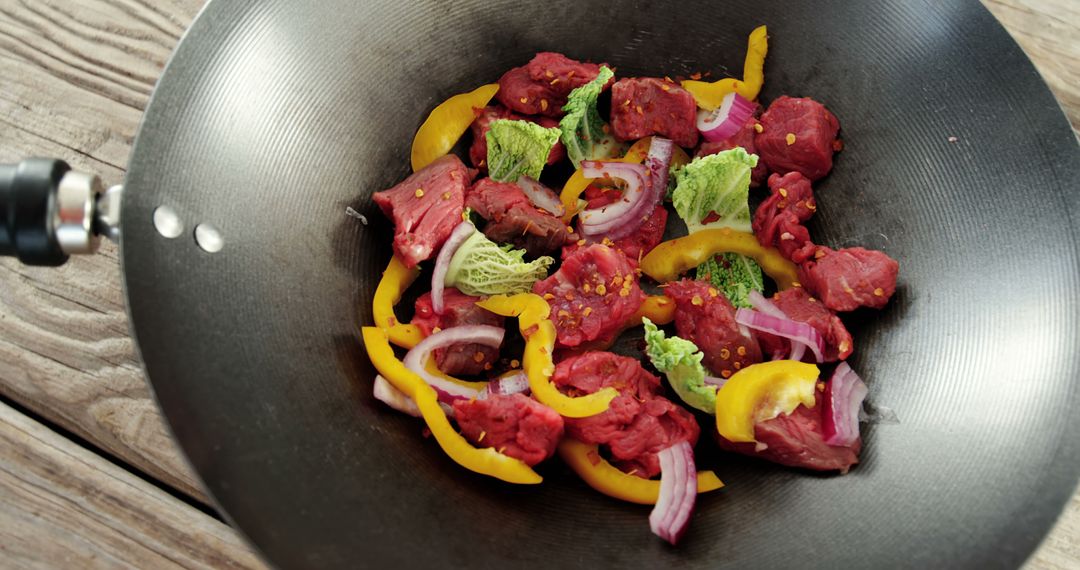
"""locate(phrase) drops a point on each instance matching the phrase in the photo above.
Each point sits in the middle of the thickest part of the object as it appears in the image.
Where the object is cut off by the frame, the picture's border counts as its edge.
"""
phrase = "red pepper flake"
(741, 351)
(639, 110)
(548, 296)
(811, 205)
(665, 87)
(786, 236)
(529, 331)
(425, 432)
(790, 139)
(624, 293)
(783, 192)
(548, 74)
(713, 292)
(593, 457)
(524, 99)
(725, 353)
(391, 321)
(695, 75)
(879, 292)
(758, 128)
(737, 364)
(725, 373)
(844, 346)
(587, 311)
(481, 438)
(419, 193)
(554, 81)
(478, 357)
(697, 301)
(501, 449)
(796, 284)
(570, 74)
(601, 290)
(606, 128)
(445, 195)
(487, 366)
(543, 104)
(838, 145)
(819, 254)
(586, 287)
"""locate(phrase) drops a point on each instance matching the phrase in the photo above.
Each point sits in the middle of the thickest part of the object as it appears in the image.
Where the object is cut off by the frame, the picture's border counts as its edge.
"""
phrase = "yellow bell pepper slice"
(658, 308)
(532, 312)
(486, 461)
(762, 392)
(710, 95)
(405, 336)
(395, 280)
(433, 368)
(577, 183)
(672, 258)
(586, 461)
(446, 123)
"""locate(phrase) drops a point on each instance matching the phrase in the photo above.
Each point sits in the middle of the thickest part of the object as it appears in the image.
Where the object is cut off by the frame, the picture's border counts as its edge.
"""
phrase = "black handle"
(28, 211)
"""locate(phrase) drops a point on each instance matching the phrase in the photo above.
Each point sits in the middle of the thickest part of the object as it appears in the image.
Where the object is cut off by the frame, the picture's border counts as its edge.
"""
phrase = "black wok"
(273, 116)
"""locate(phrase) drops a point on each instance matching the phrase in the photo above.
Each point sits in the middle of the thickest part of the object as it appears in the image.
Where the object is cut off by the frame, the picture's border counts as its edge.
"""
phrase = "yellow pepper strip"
(446, 123)
(405, 336)
(433, 368)
(585, 460)
(762, 392)
(486, 461)
(672, 258)
(395, 280)
(710, 95)
(532, 312)
(658, 308)
(577, 183)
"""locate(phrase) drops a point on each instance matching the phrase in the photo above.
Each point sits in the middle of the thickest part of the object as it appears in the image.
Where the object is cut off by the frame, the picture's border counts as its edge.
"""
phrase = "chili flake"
(790, 138)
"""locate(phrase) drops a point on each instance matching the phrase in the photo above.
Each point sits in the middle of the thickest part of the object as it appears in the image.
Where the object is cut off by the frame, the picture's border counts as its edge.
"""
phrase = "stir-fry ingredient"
(500, 403)
(518, 148)
(709, 96)
(446, 123)
(483, 267)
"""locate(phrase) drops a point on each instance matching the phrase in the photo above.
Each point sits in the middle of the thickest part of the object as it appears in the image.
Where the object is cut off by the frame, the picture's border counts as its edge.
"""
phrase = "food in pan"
(507, 355)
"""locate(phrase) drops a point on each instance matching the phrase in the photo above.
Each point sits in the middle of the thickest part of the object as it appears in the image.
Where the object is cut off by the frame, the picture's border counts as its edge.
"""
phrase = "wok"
(272, 117)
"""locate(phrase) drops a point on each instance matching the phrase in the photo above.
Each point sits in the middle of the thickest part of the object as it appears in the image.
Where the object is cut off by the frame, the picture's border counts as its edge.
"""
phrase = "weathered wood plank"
(64, 506)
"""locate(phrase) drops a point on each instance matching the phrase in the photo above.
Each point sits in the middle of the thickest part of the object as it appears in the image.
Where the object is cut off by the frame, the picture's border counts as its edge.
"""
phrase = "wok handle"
(49, 212)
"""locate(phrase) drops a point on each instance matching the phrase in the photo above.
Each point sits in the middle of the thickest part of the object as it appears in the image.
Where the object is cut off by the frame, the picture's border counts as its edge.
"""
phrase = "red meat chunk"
(425, 208)
(798, 305)
(479, 128)
(705, 317)
(592, 295)
(743, 138)
(640, 422)
(798, 134)
(541, 86)
(633, 246)
(850, 278)
(515, 425)
(459, 309)
(797, 440)
(513, 219)
(643, 106)
(778, 220)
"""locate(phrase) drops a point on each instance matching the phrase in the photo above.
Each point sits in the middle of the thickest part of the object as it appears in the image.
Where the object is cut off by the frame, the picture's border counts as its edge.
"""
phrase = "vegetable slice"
(516, 382)
(672, 258)
(710, 95)
(657, 308)
(395, 280)
(843, 400)
(795, 331)
(680, 360)
(417, 358)
(736, 276)
(584, 133)
(638, 191)
(532, 312)
(442, 263)
(727, 119)
(541, 196)
(602, 476)
(486, 461)
(391, 396)
(482, 267)
(678, 492)
(518, 148)
(715, 186)
(446, 123)
(761, 392)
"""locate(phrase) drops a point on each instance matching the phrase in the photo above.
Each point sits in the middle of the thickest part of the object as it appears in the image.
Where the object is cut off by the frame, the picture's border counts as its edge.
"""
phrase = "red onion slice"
(678, 492)
(764, 305)
(386, 393)
(727, 119)
(448, 391)
(601, 221)
(517, 383)
(785, 327)
(843, 401)
(541, 196)
(442, 263)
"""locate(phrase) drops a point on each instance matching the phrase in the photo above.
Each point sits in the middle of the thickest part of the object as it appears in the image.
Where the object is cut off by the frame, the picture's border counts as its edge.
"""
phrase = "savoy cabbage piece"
(680, 360)
(717, 186)
(483, 267)
(734, 275)
(584, 133)
(518, 148)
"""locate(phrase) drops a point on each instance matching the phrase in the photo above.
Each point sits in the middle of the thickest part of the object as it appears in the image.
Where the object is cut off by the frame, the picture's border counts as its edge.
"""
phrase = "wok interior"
(274, 116)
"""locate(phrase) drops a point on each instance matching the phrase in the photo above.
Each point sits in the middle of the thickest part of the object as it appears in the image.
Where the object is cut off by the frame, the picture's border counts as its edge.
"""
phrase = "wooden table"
(89, 476)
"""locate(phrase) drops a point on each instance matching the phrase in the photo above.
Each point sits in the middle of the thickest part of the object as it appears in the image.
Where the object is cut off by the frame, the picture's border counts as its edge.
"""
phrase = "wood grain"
(75, 77)
(66, 506)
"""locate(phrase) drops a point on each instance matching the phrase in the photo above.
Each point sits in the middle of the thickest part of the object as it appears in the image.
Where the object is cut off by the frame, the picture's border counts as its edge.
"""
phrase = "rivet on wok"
(168, 224)
(209, 238)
